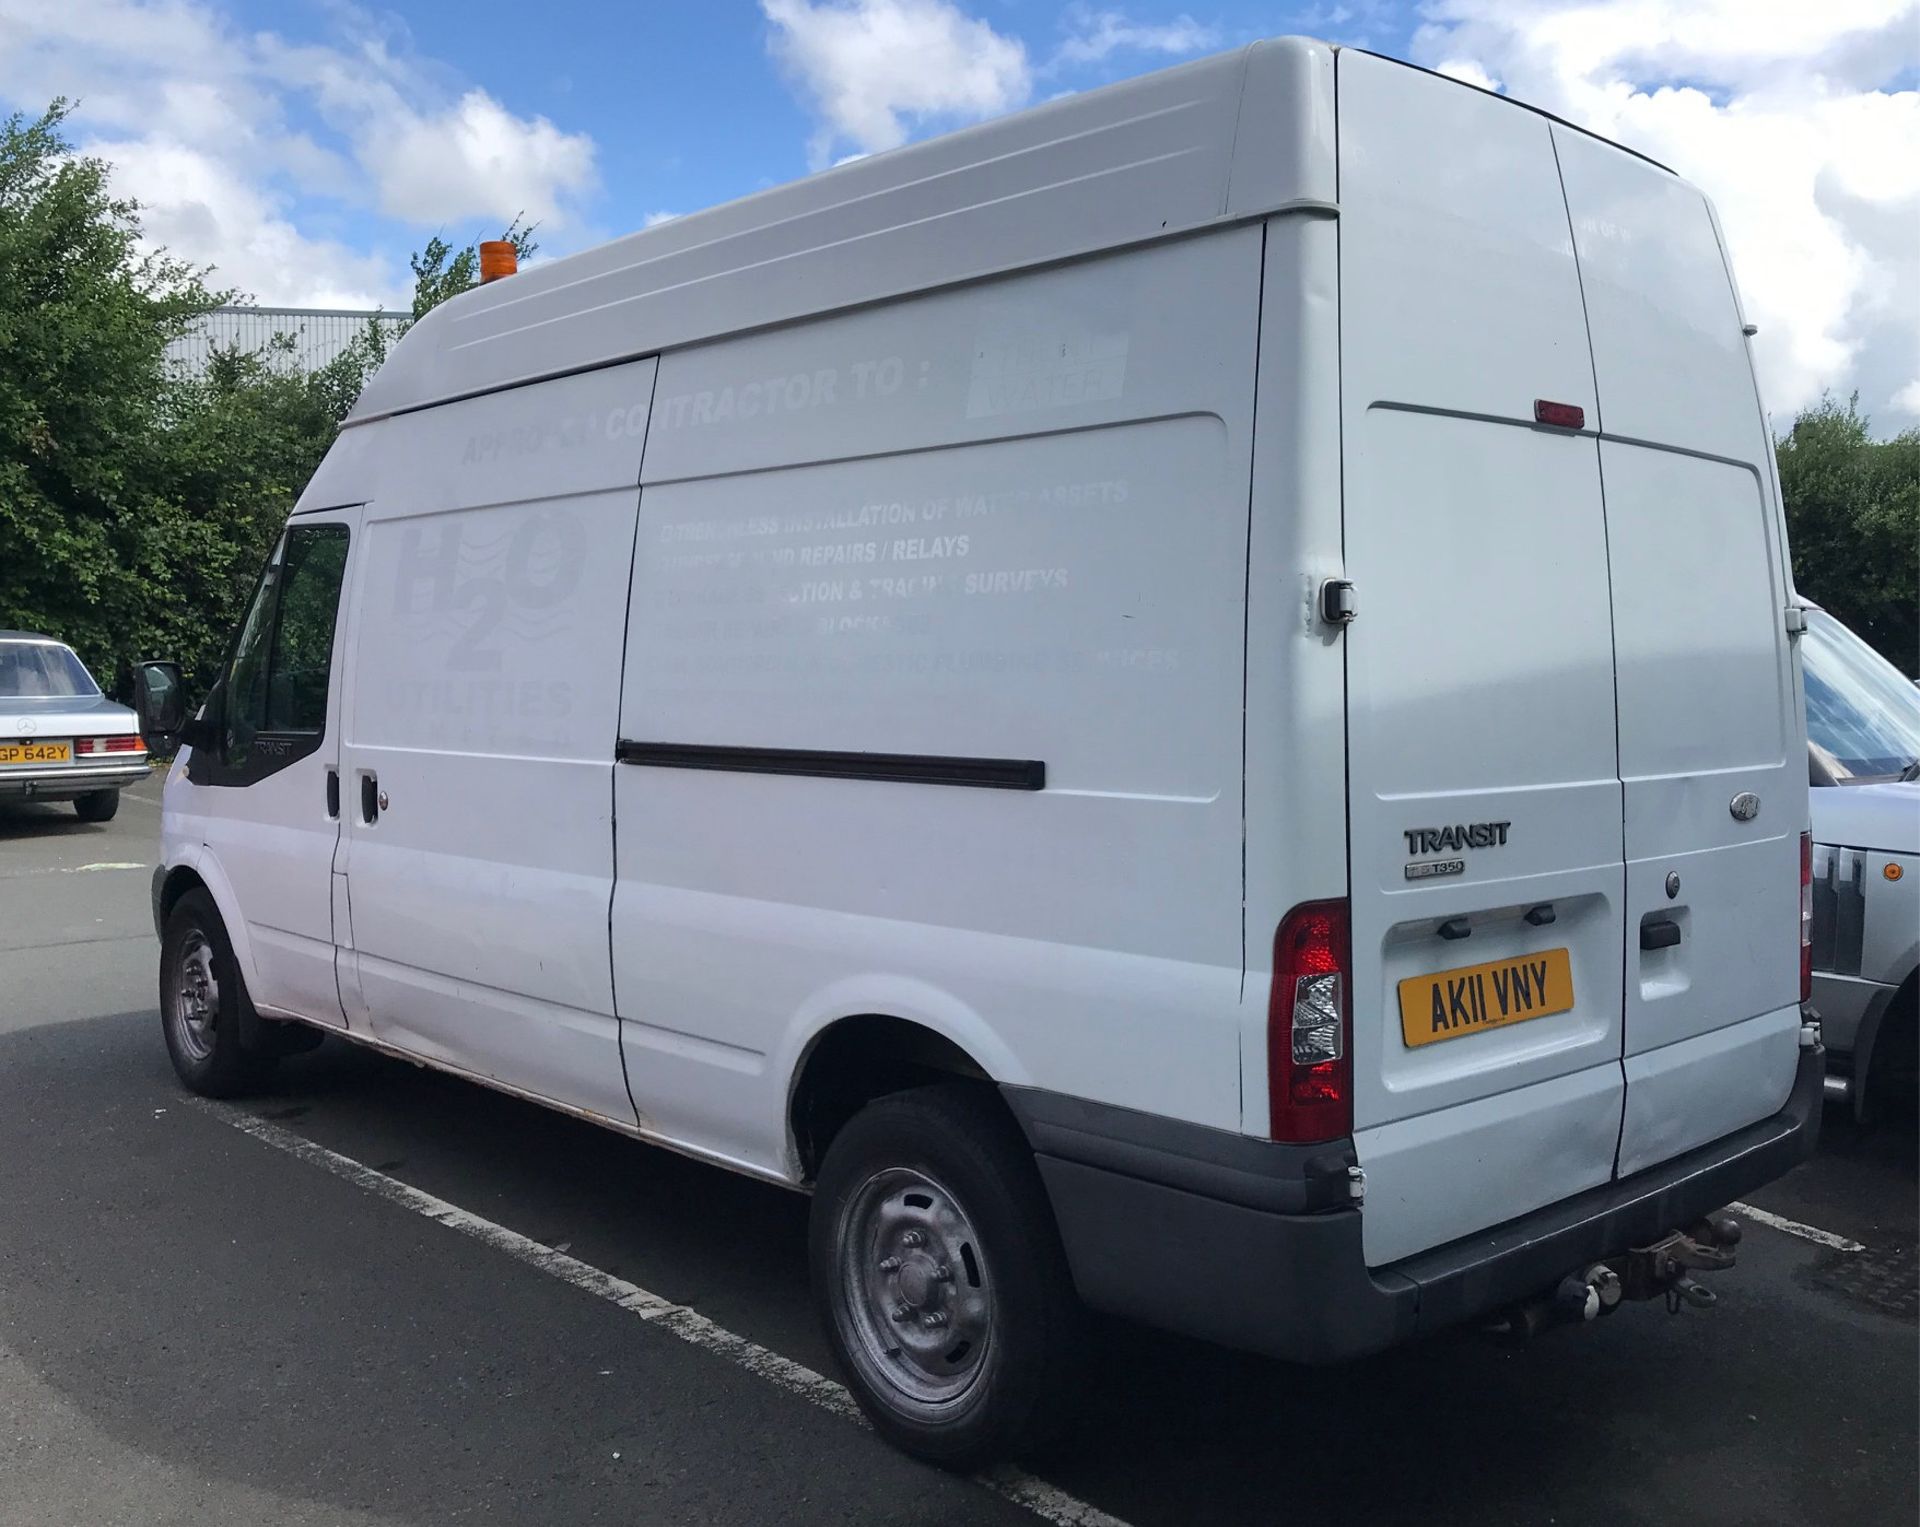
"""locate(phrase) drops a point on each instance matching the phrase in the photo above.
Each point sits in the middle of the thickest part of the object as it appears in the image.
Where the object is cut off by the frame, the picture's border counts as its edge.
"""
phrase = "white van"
(1183, 702)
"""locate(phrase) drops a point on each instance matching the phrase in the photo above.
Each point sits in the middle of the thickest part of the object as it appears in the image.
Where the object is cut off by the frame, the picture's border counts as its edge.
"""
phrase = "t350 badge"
(1439, 840)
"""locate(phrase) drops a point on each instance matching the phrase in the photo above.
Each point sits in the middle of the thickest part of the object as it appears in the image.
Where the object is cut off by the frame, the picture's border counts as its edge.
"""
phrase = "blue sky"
(304, 147)
(689, 105)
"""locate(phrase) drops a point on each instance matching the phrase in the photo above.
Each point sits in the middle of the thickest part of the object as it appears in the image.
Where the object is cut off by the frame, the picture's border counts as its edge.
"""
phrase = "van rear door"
(1711, 751)
(1484, 823)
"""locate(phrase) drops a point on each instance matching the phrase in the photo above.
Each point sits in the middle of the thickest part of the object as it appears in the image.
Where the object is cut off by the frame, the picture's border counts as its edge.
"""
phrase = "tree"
(439, 272)
(137, 503)
(1853, 520)
(85, 319)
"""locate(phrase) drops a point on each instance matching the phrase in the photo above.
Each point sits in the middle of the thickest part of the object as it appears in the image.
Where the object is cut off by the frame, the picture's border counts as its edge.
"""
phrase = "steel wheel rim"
(196, 998)
(915, 1299)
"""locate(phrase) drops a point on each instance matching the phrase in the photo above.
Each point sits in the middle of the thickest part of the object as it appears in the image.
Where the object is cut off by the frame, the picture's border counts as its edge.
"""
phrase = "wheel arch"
(853, 1059)
(174, 883)
(201, 871)
(1902, 1007)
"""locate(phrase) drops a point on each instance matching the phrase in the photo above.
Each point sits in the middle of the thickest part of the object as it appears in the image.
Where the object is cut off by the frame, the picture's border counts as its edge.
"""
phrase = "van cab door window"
(302, 654)
(273, 698)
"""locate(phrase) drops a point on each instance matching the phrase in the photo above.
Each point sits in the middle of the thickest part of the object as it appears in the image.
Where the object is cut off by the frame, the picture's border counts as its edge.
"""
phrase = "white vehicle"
(1863, 757)
(1183, 701)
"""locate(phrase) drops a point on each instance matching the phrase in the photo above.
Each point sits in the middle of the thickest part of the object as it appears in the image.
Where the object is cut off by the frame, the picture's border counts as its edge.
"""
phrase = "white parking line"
(1812, 1233)
(1036, 1495)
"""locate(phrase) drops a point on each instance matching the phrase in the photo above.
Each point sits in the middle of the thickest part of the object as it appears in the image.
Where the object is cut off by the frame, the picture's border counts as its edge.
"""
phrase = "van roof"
(1236, 136)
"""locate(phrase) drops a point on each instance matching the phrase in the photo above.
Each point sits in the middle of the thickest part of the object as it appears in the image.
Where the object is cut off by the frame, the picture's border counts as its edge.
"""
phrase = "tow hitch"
(1663, 1269)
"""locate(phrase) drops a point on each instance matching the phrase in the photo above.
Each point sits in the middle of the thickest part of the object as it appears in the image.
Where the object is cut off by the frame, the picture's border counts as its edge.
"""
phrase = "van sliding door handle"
(333, 795)
(369, 798)
(1661, 933)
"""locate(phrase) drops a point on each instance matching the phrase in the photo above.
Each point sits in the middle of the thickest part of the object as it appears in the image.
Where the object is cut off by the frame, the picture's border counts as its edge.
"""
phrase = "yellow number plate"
(1450, 1003)
(35, 752)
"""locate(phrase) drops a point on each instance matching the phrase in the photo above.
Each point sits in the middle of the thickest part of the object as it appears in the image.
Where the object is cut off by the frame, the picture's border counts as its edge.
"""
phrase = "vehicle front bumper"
(1257, 1245)
(68, 780)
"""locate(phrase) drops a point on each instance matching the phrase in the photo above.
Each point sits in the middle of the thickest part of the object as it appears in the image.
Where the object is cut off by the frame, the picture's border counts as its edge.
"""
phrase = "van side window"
(246, 684)
(276, 685)
(314, 564)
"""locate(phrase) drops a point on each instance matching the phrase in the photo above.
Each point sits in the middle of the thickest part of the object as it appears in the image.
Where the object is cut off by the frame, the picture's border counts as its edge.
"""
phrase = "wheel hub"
(196, 997)
(917, 1283)
(914, 1292)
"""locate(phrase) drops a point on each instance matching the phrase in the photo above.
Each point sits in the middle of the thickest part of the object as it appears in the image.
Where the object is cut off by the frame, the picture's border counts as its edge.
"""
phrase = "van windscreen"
(1863, 717)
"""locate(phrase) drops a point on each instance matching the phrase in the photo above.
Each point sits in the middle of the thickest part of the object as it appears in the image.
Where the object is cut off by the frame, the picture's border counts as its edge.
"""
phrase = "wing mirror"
(160, 701)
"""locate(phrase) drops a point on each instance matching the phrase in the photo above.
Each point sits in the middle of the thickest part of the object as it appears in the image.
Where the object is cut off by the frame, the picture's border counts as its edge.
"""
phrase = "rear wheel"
(202, 1000)
(940, 1279)
(97, 805)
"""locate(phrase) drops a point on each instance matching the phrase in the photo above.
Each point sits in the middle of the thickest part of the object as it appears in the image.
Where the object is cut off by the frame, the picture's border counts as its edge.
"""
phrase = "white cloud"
(1782, 112)
(876, 70)
(1093, 35)
(1465, 69)
(202, 211)
(476, 157)
(197, 118)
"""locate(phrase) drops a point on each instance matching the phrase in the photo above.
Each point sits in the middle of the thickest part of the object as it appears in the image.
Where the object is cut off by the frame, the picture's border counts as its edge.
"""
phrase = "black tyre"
(97, 805)
(939, 1276)
(202, 1003)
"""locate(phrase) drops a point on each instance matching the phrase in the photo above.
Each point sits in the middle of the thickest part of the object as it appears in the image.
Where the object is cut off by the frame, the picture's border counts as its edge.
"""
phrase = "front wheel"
(940, 1279)
(201, 1003)
(97, 805)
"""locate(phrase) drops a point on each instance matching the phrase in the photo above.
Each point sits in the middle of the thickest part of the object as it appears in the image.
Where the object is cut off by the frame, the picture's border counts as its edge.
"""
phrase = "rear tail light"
(1309, 1050)
(83, 745)
(1806, 916)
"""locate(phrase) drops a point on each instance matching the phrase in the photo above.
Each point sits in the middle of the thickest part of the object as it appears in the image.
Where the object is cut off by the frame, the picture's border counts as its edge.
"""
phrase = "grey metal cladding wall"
(318, 334)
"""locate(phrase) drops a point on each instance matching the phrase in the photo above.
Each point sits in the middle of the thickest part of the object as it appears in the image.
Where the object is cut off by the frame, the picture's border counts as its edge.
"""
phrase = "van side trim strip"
(901, 768)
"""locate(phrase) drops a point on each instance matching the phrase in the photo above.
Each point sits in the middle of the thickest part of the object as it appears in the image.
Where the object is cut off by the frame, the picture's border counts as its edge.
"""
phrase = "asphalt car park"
(379, 1295)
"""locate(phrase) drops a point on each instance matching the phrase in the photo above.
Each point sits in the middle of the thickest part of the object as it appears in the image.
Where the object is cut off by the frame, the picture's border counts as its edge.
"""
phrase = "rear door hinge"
(1796, 620)
(1338, 603)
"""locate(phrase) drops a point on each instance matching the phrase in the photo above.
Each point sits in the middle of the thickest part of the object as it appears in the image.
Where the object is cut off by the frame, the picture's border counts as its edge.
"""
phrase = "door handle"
(333, 795)
(1661, 933)
(369, 798)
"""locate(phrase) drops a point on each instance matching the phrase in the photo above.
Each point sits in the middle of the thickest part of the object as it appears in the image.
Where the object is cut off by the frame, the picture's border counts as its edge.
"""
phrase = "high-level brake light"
(1309, 1053)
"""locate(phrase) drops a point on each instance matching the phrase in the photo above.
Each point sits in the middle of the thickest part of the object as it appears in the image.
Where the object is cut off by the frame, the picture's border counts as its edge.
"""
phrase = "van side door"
(477, 771)
(267, 787)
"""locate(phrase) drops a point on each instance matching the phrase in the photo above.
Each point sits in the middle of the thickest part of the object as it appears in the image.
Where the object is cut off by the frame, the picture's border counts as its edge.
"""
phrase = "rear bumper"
(68, 780)
(1245, 1243)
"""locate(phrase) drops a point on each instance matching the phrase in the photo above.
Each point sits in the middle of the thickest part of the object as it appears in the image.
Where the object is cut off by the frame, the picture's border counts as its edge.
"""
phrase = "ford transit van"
(1184, 702)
